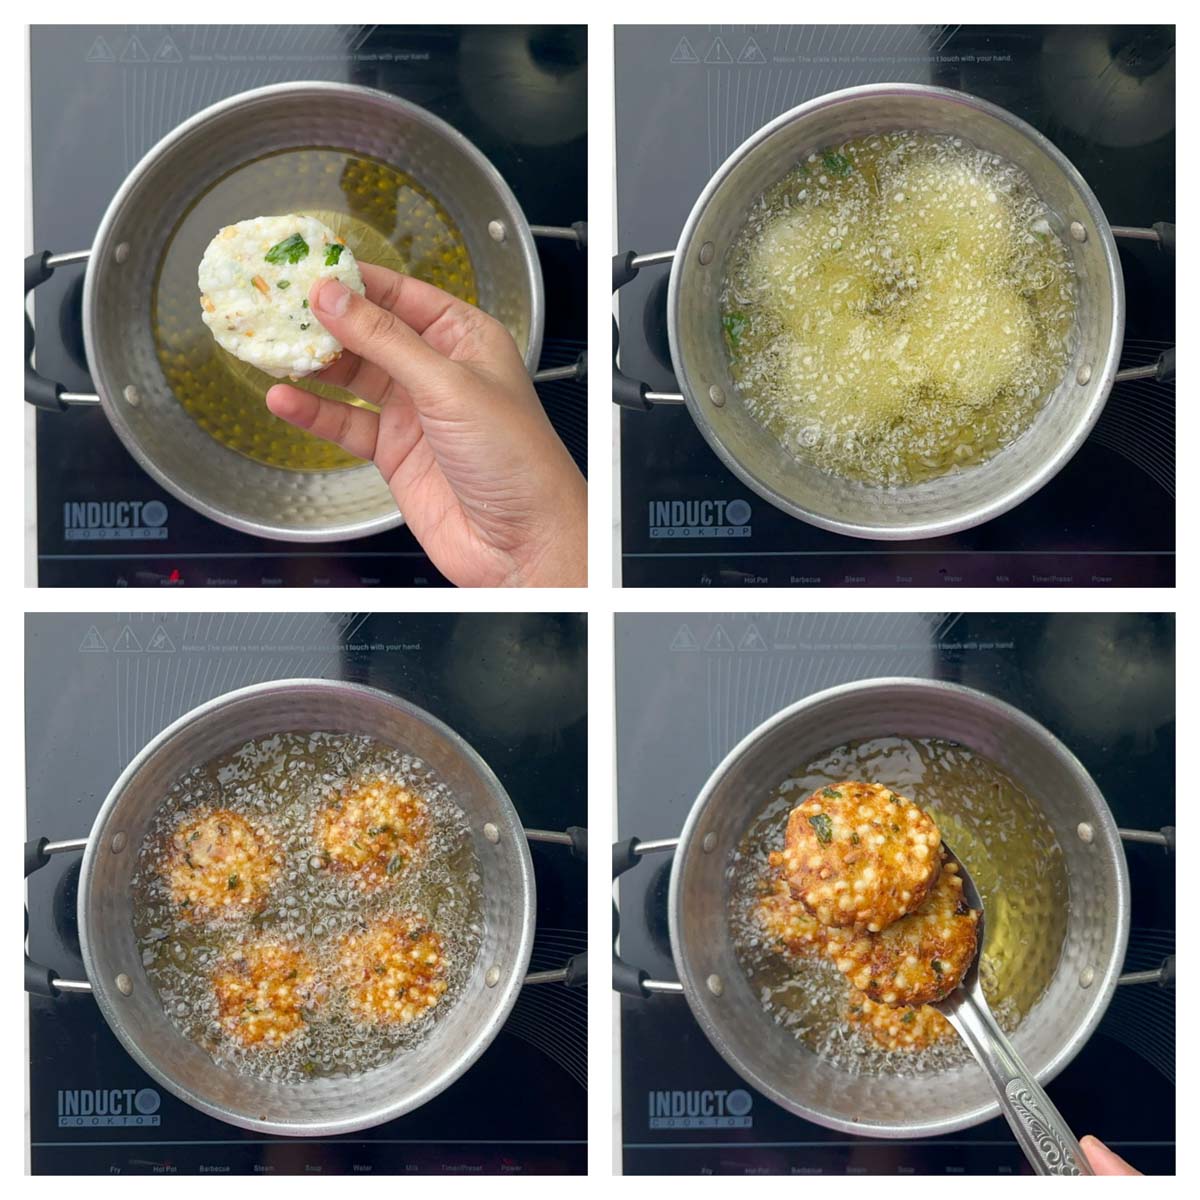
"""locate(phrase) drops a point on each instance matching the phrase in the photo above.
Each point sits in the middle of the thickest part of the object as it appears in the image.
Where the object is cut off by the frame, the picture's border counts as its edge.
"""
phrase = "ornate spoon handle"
(1039, 1127)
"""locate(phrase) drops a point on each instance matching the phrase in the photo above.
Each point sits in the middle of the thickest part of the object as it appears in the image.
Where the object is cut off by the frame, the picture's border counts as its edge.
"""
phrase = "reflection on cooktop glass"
(687, 97)
(101, 97)
(690, 687)
(99, 687)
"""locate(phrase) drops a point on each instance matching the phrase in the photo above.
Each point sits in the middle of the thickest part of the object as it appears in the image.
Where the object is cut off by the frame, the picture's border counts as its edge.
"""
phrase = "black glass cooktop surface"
(100, 686)
(103, 95)
(688, 96)
(689, 687)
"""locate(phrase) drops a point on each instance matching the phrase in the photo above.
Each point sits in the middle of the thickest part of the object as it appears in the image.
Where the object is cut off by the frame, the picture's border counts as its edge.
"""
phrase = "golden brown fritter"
(371, 832)
(262, 990)
(785, 920)
(860, 856)
(219, 865)
(898, 1028)
(392, 972)
(919, 959)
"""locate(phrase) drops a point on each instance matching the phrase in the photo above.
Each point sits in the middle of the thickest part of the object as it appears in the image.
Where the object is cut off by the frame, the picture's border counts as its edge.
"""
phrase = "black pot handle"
(574, 974)
(39, 980)
(41, 392)
(626, 978)
(1164, 973)
(627, 392)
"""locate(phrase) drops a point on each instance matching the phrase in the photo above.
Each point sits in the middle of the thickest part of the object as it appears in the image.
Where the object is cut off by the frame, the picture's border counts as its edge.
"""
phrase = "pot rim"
(346, 529)
(1105, 984)
(1102, 378)
(504, 997)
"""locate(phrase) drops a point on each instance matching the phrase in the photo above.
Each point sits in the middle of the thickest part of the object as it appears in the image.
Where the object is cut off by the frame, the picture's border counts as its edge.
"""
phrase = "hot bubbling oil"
(277, 783)
(898, 306)
(994, 828)
(384, 216)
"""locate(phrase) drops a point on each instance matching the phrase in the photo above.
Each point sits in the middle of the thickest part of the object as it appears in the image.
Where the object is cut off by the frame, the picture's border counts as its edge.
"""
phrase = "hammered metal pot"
(1079, 975)
(950, 502)
(128, 1000)
(298, 506)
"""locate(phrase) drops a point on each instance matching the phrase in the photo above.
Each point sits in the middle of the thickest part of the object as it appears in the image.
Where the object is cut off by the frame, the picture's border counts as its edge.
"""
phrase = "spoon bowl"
(1041, 1132)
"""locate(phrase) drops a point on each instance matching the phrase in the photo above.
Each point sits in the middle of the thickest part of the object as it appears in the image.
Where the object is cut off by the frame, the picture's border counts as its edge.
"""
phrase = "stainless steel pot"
(128, 1000)
(298, 506)
(1079, 975)
(950, 502)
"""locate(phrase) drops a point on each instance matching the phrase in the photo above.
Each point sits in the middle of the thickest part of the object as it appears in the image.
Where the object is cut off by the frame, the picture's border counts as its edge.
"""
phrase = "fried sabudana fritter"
(219, 865)
(860, 856)
(393, 971)
(919, 959)
(371, 832)
(785, 920)
(262, 990)
(898, 1027)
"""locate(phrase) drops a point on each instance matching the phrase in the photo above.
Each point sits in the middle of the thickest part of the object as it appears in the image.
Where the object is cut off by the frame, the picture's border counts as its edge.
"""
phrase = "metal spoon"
(1041, 1132)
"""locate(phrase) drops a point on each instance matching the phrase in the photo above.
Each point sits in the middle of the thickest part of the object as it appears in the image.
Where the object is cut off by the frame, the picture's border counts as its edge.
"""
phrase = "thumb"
(377, 334)
(1102, 1160)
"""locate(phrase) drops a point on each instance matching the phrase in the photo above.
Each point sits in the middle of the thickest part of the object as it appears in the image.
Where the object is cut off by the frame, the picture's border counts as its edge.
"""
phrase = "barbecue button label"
(95, 1107)
(701, 1109)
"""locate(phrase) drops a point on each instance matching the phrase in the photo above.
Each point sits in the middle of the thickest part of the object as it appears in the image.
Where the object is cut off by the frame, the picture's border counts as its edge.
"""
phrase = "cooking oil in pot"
(993, 826)
(898, 306)
(386, 218)
(276, 786)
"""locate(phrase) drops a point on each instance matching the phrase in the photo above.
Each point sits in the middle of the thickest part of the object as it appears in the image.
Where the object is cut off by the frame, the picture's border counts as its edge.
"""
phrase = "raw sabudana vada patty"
(859, 855)
(919, 959)
(219, 865)
(262, 991)
(255, 278)
(371, 831)
(393, 971)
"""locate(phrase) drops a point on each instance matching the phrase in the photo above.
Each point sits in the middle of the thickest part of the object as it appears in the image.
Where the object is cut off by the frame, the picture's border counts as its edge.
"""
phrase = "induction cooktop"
(690, 686)
(102, 95)
(99, 686)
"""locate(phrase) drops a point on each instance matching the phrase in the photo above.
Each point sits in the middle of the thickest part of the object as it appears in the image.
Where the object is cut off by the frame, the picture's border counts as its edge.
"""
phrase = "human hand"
(482, 479)
(1102, 1160)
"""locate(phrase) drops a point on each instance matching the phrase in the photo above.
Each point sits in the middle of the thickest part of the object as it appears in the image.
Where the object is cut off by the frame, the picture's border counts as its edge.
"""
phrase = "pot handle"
(39, 980)
(574, 974)
(577, 233)
(630, 393)
(1161, 369)
(1162, 232)
(626, 978)
(1164, 973)
(41, 392)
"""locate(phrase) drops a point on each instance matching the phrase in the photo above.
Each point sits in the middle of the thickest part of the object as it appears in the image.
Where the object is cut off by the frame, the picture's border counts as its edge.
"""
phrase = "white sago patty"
(255, 278)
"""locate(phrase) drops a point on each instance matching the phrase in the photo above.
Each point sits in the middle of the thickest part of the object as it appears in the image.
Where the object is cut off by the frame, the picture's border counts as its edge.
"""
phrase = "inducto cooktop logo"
(114, 520)
(94, 1107)
(702, 1109)
(699, 519)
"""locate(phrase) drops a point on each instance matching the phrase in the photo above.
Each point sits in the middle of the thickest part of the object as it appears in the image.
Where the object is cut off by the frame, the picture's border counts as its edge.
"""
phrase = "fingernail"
(333, 298)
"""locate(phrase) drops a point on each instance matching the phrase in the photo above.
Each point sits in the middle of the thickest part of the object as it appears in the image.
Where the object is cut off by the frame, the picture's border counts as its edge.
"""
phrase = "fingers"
(379, 334)
(365, 379)
(1102, 1160)
(419, 305)
(356, 430)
